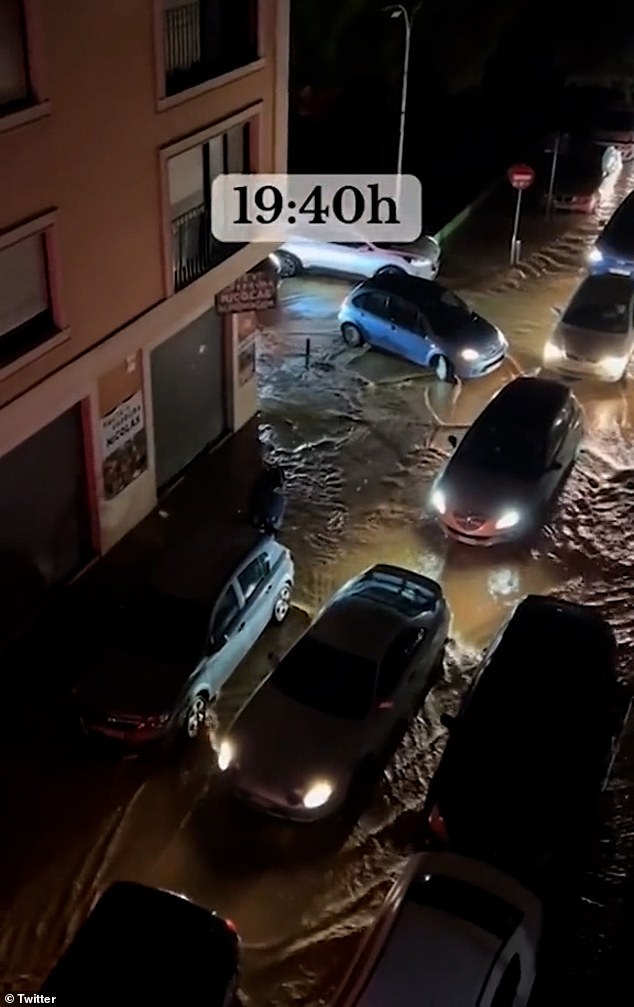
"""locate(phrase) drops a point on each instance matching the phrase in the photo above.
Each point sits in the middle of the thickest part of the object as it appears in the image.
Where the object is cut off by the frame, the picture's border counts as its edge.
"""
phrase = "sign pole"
(553, 172)
(516, 227)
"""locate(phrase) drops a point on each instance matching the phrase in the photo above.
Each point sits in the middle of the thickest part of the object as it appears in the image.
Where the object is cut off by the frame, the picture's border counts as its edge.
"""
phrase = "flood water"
(360, 436)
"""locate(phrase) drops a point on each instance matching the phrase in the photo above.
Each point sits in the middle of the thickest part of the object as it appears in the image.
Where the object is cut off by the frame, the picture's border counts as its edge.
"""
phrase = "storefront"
(189, 400)
(45, 524)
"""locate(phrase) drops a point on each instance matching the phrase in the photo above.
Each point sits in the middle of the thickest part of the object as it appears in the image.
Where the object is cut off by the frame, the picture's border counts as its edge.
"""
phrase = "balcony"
(194, 249)
(207, 39)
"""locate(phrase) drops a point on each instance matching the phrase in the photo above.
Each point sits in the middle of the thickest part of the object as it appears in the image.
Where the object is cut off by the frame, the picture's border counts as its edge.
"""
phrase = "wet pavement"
(360, 436)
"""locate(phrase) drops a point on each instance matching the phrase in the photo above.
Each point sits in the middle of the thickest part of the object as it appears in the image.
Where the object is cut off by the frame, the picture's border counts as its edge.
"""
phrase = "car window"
(228, 609)
(511, 447)
(324, 678)
(405, 315)
(466, 902)
(348, 244)
(254, 575)
(374, 303)
(506, 992)
(558, 433)
(408, 597)
(451, 300)
(602, 303)
(396, 661)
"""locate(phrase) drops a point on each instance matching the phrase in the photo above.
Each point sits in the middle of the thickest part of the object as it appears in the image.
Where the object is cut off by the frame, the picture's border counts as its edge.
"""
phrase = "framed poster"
(123, 445)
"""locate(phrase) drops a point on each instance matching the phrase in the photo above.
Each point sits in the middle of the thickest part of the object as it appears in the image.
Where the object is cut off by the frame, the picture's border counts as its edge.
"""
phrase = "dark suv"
(530, 749)
(142, 945)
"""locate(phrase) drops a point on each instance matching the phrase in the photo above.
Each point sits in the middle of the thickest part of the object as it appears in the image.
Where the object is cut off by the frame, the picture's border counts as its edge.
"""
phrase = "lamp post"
(399, 11)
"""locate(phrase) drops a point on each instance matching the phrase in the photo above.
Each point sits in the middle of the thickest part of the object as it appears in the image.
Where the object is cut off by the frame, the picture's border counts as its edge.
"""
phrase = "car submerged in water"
(503, 479)
(423, 322)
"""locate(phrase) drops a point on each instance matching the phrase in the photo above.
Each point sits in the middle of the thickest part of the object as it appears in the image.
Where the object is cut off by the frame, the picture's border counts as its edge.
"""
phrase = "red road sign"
(521, 176)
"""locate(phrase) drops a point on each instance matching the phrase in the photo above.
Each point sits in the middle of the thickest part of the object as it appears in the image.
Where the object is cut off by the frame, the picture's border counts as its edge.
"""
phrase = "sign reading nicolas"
(255, 291)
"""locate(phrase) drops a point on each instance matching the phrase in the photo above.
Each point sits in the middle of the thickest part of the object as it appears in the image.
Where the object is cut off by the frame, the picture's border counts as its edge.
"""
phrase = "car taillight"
(232, 927)
(437, 825)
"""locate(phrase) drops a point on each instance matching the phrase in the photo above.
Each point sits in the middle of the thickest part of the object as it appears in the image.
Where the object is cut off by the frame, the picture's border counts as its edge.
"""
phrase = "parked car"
(595, 333)
(452, 932)
(577, 181)
(529, 751)
(423, 322)
(169, 649)
(503, 479)
(145, 945)
(322, 721)
(356, 258)
(616, 129)
(613, 251)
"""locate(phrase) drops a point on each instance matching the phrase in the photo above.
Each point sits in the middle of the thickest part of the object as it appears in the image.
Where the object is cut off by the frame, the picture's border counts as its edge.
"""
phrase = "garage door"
(188, 395)
(44, 515)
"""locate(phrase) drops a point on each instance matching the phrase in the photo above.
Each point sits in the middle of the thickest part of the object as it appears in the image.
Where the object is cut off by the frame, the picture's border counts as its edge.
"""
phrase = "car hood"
(468, 332)
(591, 344)
(469, 490)
(282, 743)
(120, 682)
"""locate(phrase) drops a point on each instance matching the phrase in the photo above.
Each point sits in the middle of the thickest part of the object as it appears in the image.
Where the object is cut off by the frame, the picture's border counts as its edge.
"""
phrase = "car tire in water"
(444, 369)
(351, 335)
(289, 265)
(282, 605)
(390, 271)
(196, 716)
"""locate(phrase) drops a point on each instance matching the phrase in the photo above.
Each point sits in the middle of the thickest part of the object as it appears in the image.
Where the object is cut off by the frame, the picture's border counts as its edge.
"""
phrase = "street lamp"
(399, 11)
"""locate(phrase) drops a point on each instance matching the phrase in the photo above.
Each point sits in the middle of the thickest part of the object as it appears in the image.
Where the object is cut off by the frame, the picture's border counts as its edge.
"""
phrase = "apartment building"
(115, 368)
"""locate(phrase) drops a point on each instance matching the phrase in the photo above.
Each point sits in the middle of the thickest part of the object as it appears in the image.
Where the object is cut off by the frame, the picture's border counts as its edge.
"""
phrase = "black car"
(531, 746)
(503, 478)
(143, 945)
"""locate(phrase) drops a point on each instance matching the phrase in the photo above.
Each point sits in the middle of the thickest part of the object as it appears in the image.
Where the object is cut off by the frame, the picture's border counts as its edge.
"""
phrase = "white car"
(452, 932)
(356, 258)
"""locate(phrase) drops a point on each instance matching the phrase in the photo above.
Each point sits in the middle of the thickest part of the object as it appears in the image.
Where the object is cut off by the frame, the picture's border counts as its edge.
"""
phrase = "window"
(190, 177)
(506, 992)
(26, 318)
(326, 679)
(405, 315)
(466, 902)
(396, 661)
(205, 39)
(227, 611)
(15, 87)
(254, 575)
(374, 303)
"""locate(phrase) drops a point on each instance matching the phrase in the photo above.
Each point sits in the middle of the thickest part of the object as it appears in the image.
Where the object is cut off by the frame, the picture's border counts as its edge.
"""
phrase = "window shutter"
(23, 285)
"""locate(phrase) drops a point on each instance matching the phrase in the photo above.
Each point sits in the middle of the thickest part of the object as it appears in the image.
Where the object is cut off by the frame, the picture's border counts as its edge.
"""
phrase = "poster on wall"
(123, 445)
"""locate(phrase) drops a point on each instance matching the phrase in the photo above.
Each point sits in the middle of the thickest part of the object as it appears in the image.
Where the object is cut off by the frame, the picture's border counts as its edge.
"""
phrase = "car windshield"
(161, 626)
(603, 304)
(510, 448)
(332, 681)
(464, 901)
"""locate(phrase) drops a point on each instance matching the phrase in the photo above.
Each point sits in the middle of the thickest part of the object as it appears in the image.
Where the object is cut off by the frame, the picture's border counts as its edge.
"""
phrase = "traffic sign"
(521, 176)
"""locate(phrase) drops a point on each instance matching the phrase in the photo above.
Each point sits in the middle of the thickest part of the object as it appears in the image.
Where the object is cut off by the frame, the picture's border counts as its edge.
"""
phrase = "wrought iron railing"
(187, 59)
(194, 249)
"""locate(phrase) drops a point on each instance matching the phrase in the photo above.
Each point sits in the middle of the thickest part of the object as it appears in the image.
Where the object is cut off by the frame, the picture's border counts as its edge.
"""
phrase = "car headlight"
(226, 755)
(469, 354)
(508, 520)
(613, 366)
(317, 795)
(594, 255)
(552, 353)
(438, 501)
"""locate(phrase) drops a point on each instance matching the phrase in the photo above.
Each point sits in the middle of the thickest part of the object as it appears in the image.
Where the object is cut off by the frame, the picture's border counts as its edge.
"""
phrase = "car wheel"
(282, 605)
(390, 271)
(351, 335)
(444, 369)
(289, 264)
(196, 715)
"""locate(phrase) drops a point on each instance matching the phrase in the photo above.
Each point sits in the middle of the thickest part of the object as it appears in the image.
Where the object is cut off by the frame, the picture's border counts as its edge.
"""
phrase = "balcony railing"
(200, 43)
(194, 249)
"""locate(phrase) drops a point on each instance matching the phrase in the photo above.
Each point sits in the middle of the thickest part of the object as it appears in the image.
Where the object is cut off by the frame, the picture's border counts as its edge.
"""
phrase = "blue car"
(423, 322)
(613, 251)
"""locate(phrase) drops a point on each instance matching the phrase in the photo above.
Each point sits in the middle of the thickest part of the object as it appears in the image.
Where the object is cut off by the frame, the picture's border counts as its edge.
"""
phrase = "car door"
(408, 338)
(255, 586)
(227, 640)
(374, 318)
(502, 991)
(336, 257)
(554, 462)
(396, 683)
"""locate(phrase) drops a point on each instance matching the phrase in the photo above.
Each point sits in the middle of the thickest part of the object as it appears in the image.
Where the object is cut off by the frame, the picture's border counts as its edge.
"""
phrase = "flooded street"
(360, 436)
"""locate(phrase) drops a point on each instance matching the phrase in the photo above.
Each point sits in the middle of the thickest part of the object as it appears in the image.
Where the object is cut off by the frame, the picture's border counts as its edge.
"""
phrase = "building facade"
(115, 369)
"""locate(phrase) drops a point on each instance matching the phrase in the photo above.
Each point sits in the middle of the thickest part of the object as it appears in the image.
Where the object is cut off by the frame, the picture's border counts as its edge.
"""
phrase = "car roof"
(539, 399)
(132, 928)
(359, 626)
(199, 568)
(414, 289)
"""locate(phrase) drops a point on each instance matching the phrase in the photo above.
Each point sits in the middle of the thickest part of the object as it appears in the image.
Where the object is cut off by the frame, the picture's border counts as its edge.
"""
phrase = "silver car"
(322, 721)
(356, 258)
(171, 647)
(594, 337)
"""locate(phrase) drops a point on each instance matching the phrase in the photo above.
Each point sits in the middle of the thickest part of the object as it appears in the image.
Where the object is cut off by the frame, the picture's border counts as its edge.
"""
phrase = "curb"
(461, 218)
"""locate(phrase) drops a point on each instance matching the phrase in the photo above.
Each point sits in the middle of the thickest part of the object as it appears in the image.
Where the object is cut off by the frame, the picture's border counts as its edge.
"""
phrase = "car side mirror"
(447, 720)
(453, 440)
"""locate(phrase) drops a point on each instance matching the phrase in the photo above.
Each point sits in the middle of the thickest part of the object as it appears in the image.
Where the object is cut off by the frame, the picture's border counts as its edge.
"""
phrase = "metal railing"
(187, 59)
(194, 249)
